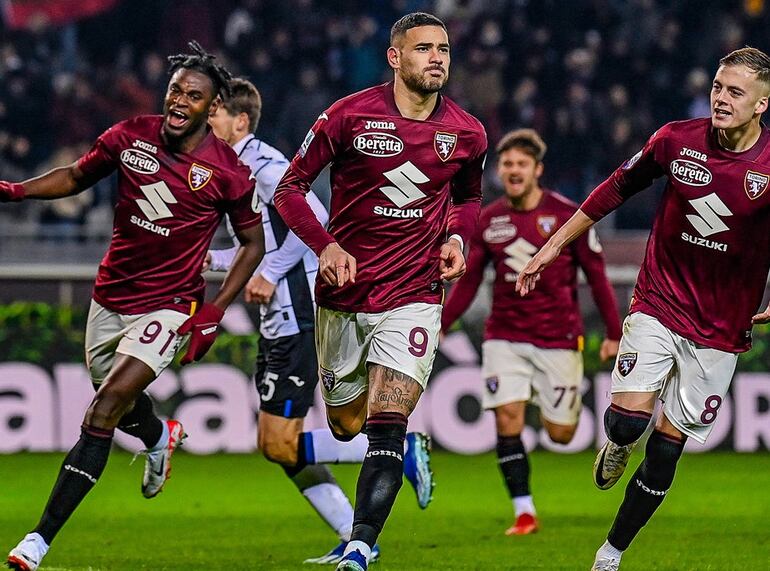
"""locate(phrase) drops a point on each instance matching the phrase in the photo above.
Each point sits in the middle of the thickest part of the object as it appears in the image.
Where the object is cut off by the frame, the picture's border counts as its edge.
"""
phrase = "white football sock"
(365, 550)
(607, 550)
(523, 505)
(329, 450)
(333, 506)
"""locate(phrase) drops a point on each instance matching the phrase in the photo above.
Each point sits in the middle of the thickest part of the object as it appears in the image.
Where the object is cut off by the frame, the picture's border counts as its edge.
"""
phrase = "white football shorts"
(692, 380)
(149, 337)
(403, 339)
(522, 372)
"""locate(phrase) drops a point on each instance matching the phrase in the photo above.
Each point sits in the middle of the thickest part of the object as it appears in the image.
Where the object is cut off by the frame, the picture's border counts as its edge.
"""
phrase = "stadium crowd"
(595, 77)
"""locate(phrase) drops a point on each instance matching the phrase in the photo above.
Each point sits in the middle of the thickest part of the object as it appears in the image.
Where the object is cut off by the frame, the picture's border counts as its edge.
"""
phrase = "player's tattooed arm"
(392, 391)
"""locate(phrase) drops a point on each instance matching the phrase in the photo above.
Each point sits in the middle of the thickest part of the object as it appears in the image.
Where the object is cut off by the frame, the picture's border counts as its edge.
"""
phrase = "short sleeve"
(103, 156)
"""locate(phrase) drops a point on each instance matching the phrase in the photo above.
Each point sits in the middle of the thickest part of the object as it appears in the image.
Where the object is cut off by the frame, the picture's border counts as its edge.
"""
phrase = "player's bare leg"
(392, 397)
(625, 420)
(644, 493)
(86, 461)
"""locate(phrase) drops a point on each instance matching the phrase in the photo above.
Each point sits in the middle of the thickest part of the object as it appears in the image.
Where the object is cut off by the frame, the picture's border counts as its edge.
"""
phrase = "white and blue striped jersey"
(288, 262)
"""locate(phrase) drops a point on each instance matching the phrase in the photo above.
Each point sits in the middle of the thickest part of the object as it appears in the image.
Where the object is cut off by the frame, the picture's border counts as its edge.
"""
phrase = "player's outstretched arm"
(573, 228)
(56, 183)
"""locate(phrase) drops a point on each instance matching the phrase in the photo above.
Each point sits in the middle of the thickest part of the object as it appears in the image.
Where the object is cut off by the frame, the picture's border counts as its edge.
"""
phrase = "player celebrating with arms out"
(406, 165)
(701, 282)
(531, 344)
(176, 181)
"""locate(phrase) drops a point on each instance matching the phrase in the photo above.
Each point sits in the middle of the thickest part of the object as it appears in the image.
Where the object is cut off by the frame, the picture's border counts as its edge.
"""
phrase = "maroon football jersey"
(399, 187)
(707, 258)
(168, 207)
(548, 317)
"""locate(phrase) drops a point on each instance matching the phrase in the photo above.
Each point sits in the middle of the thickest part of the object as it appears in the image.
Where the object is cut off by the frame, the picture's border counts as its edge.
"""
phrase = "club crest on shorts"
(755, 184)
(626, 363)
(493, 383)
(198, 176)
(546, 225)
(444, 144)
(327, 378)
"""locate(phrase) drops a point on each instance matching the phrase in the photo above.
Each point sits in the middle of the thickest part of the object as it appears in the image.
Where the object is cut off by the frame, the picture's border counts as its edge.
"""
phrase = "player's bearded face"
(737, 95)
(519, 172)
(424, 59)
(187, 103)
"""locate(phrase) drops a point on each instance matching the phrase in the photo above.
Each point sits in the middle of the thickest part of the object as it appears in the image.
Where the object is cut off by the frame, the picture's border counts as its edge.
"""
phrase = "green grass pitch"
(239, 512)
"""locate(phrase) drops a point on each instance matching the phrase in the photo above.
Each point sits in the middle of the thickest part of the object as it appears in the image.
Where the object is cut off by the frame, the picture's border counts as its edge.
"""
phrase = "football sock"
(320, 488)
(381, 475)
(361, 546)
(321, 447)
(524, 505)
(623, 426)
(514, 465)
(607, 550)
(647, 488)
(78, 474)
(143, 423)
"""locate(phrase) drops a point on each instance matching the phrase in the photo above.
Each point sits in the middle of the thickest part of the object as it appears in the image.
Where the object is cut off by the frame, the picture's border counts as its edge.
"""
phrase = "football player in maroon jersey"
(176, 181)
(532, 345)
(701, 282)
(406, 191)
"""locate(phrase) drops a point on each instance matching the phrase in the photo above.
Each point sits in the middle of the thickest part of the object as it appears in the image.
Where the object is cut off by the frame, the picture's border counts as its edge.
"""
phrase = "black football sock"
(647, 488)
(623, 426)
(514, 465)
(77, 475)
(381, 475)
(142, 422)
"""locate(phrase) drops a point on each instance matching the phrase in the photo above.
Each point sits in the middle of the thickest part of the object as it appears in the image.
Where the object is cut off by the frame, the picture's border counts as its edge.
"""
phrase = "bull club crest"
(755, 184)
(444, 144)
(327, 379)
(198, 176)
(626, 363)
(493, 383)
(546, 225)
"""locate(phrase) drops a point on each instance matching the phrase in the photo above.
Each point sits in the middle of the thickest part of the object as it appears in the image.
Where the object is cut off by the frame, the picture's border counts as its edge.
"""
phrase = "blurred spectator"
(593, 76)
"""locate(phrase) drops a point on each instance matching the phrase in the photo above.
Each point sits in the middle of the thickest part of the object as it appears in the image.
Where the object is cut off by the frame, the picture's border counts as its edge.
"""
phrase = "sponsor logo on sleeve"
(378, 144)
(546, 225)
(626, 363)
(444, 144)
(139, 161)
(632, 161)
(306, 143)
(327, 379)
(688, 172)
(198, 176)
(755, 184)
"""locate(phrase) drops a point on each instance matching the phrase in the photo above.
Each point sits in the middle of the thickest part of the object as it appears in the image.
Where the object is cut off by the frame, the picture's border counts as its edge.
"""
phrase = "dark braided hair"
(202, 61)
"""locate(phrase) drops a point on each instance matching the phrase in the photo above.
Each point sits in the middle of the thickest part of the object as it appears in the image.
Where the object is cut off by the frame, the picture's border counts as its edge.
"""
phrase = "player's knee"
(624, 426)
(345, 429)
(107, 408)
(561, 434)
(280, 451)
